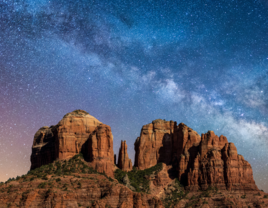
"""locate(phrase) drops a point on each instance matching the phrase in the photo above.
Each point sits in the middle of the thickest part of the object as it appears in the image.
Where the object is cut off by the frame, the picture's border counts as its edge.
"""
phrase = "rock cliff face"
(201, 161)
(124, 163)
(76, 132)
(100, 150)
(43, 149)
(197, 161)
(154, 144)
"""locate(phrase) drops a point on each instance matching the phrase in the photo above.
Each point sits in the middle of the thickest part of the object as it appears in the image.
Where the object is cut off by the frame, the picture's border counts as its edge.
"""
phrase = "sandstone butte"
(76, 132)
(201, 161)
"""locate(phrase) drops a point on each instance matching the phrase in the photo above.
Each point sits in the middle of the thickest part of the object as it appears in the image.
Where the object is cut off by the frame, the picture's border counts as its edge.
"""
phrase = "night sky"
(203, 63)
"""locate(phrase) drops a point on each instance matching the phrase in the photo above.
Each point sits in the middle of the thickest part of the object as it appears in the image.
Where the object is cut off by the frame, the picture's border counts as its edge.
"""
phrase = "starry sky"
(203, 63)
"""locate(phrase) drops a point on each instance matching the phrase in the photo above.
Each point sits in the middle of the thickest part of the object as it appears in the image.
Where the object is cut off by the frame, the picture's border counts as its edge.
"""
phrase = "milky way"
(203, 63)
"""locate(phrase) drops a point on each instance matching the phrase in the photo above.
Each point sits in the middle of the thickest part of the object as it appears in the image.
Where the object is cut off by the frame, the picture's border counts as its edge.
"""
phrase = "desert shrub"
(243, 196)
(58, 179)
(139, 179)
(42, 185)
(265, 196)
(193, 197)
(40, 175)
(73, 170)
(206, 194)
(10, 179)
(78, 156)
(178, 182)
(175, 197)
(191, 203)
(24, 195)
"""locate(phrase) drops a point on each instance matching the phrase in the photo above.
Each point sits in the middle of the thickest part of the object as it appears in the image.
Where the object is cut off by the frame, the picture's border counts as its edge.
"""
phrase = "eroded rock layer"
(201, 161)
(76, 132)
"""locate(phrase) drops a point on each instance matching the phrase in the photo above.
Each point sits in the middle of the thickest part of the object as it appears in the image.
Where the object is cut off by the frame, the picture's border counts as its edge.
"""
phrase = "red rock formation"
(76, 132)
(43, 149)
(201, 162)
(124, 163)
(100, 149)
(154, 144)
(208, 167)
(219, 165)
(238, 171)
(72, 132)
(186, 142)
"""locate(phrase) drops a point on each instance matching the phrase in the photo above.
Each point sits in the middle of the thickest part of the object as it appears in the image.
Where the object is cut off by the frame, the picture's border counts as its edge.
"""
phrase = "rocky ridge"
(172, 163)
(201, 161)
(71, 183)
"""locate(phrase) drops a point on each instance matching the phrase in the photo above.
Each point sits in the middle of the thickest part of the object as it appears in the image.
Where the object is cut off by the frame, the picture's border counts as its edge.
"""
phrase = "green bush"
(42, 185)
(24, 195)
(138, 178)
(48, 192)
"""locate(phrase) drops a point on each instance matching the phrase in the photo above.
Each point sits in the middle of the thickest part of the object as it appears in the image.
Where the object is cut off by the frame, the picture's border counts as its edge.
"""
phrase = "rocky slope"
(71, 183)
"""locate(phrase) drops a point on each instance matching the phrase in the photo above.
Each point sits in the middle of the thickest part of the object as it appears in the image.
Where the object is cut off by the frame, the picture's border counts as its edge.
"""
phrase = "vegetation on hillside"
(60, 168)
(77, 112)
(139, 179)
